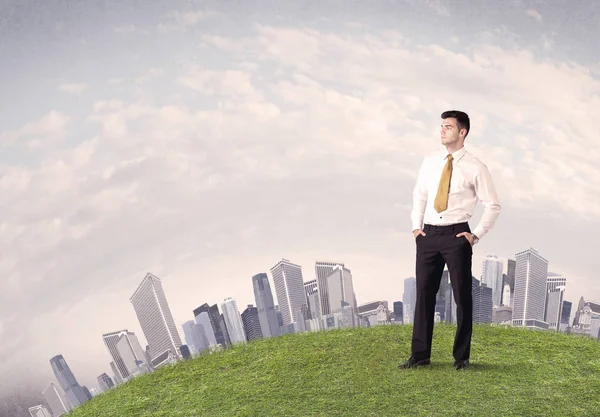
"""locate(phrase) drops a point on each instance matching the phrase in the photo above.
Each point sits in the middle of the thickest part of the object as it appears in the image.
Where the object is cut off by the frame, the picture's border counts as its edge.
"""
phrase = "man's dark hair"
(462, 119)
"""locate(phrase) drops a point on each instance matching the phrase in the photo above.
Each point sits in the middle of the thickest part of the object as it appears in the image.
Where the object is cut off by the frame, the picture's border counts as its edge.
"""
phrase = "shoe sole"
(417, 365)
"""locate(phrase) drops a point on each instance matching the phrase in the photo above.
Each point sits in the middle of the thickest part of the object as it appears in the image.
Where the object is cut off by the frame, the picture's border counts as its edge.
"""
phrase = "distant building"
(217, 327)
(373, 312)
(289, 286)
(39, 411)
(73, 391)
(554, 304)
(126, 352)
(56, 399)
(341, 289)
(265, 305)
(251, 322)
(154, 315)
(233, 321)
(508, 280)
(105, 382)
(502, 315)
(566, 315)
(203, 332)
(531, 276)
(322, 270)
(398, 312)
(409, 299)
(185, 352)
(482, 302)
(492, 277)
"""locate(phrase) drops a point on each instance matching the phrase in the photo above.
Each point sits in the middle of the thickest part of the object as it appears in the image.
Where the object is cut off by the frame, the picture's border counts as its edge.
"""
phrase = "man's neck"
(452, 149)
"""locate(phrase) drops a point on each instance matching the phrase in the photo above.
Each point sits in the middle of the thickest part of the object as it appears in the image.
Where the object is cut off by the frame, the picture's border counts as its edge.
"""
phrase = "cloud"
(228, 83)
(47, 131)
(74, 89)
(130, 28)
(438, 7)
(176, 20)
(534, 14)
(149, 75)
(510, 87)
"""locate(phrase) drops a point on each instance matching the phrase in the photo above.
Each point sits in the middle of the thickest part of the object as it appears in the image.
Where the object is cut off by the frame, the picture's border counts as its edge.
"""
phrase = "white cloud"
(229, 82)
(509, 89)
(149, 75)
(534, 14)
(130, 28)
(438, 7)
(74, 89)
(49, 130)
(175, 20)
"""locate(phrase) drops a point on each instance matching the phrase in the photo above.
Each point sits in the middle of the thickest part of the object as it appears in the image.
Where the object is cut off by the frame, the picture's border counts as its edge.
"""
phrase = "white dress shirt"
(470, 182)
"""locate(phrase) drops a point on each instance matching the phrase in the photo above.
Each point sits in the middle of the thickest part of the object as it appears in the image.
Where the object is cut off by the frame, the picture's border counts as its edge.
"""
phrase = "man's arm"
(486, 192)
(419, 199)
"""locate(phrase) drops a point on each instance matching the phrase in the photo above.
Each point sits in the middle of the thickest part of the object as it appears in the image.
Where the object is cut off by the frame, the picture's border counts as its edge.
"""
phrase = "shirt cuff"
(479, 232)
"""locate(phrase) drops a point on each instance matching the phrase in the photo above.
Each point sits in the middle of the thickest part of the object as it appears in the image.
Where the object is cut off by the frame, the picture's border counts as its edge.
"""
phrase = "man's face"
(450, 133)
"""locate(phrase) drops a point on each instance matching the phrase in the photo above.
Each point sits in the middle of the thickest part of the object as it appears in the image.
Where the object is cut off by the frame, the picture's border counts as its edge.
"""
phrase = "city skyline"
(552, 278)
(188, 140)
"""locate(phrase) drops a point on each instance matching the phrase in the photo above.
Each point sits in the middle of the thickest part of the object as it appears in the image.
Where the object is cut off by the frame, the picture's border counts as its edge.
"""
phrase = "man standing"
(448, 187)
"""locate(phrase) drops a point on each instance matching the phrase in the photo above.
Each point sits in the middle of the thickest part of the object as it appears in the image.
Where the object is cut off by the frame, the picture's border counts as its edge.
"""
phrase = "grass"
(353, 372)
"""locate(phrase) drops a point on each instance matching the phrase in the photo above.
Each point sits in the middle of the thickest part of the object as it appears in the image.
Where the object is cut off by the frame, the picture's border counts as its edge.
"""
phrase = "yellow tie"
(441, 199)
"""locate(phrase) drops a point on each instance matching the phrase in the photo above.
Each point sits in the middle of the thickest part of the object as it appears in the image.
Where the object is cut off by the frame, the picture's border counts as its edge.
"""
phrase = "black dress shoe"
(461, 364)
(412, 363)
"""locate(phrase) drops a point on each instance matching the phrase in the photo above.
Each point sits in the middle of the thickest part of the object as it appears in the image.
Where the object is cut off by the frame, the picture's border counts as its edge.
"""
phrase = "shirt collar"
(456, 155)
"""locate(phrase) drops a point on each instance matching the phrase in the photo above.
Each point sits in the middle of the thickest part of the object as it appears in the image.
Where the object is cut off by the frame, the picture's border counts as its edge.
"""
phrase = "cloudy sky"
(205, 141)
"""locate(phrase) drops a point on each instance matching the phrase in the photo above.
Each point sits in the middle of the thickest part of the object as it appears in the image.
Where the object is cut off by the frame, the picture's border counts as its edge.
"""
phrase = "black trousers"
(438, 248)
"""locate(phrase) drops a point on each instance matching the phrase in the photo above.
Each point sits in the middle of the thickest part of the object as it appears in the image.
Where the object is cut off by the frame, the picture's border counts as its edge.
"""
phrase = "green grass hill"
(353, 372)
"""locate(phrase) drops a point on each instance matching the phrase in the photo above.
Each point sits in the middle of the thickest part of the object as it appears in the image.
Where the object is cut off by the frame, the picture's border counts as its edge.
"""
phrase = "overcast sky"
(203, 142)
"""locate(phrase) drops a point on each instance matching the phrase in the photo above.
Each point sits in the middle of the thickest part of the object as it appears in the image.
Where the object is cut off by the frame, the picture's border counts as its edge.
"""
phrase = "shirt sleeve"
(419, 199)
(486, 192)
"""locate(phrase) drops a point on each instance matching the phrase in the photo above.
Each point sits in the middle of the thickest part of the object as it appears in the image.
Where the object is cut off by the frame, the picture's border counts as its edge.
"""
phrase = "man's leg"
(458, 254)
(429, 269)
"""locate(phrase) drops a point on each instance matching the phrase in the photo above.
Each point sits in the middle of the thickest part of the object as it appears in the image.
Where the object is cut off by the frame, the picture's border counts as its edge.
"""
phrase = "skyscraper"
(409, 297)
(531, 275)
(205, 334)
(555, 280)
(341, 289)
(189, 336)
(398, 312)
(482, 302)
(289, 287)
(441, 305)
(131, 343)
(67, 381)
(554, 304)
(322, 270)
(116, 374)
(233, 321)
(314, 304)
(215, 323)
(491, 276)
(55, 397)
(39, 411)
(566, 315)
(251, 323)
(311, 289)
(556, 285)
(509, 279)
(154, 315)
(267, 315)
(105, 382)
